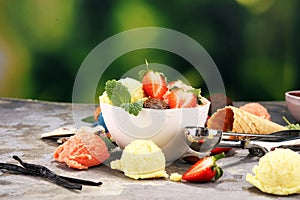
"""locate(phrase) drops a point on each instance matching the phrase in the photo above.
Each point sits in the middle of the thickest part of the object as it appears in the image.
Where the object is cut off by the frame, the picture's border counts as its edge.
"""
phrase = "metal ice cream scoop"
(203, 140)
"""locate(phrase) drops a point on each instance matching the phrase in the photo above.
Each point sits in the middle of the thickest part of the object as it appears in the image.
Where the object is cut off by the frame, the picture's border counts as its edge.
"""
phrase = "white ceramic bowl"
(164, 127)
(292, 100)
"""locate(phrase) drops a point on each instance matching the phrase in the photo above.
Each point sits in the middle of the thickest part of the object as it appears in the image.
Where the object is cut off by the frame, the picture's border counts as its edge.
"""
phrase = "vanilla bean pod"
(38, 170)
(14, 168)
(42, 171)
(81, 181)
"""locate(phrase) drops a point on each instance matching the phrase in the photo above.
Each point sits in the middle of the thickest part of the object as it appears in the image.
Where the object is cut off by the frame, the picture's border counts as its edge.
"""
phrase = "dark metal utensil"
(203, 140)
(278, 136)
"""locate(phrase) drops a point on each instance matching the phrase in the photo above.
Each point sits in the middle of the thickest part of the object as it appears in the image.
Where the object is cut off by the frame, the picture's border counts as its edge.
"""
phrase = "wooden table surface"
(23, 121)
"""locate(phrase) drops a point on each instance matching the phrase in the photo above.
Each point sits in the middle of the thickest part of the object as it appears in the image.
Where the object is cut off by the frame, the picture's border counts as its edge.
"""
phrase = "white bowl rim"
(206, 103)
(288, 93)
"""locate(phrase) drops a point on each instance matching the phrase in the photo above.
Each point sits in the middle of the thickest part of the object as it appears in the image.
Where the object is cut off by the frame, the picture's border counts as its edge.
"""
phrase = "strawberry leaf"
(219, 156)
(219, 173)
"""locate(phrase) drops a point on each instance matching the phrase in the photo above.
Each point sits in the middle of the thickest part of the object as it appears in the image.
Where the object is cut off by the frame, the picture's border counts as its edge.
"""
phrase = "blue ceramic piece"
(101, 122)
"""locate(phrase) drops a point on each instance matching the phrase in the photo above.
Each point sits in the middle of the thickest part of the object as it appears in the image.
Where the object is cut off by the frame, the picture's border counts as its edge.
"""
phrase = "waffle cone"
(237, 120)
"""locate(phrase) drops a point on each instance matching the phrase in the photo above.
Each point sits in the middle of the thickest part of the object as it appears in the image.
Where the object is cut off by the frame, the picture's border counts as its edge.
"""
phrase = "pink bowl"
(292, 99)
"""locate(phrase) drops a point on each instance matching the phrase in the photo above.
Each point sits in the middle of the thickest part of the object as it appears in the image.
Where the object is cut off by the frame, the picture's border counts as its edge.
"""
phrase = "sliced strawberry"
(154, 84)
(178, 98)
(219, 150)
(179, 84)
(204, 170)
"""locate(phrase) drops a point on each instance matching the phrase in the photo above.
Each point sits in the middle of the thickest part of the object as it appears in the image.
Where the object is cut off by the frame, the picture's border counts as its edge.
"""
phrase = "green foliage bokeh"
(254, 43)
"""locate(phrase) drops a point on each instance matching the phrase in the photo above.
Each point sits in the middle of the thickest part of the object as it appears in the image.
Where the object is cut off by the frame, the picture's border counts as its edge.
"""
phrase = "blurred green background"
(254, 43)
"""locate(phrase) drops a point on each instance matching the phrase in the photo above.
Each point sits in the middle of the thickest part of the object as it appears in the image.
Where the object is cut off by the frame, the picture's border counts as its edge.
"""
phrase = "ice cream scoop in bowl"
(164, 127)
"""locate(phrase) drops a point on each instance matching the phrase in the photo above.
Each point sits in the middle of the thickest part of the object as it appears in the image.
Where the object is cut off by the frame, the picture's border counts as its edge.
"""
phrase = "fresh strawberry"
(204, 170)
(178, 98)
(219, 150)
(154, 84)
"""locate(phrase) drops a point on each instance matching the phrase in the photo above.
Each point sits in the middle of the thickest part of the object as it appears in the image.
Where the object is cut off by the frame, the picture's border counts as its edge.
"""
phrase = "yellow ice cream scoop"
(278, 172)
(135, 89)
(141, 159)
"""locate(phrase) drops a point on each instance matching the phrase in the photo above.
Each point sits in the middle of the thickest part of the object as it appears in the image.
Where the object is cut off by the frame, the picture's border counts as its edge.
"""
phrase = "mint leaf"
(133, 108)
(117, 92)
(109, 87)
(89, 119)
(120, 96)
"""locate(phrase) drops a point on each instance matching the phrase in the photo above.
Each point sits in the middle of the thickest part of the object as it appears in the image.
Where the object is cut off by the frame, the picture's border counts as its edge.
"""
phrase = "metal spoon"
(203, 140)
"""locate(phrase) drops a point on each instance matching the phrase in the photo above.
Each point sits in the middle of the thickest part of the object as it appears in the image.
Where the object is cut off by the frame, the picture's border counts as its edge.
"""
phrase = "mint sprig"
(133, 108)
(290, 125)
(119, 95)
